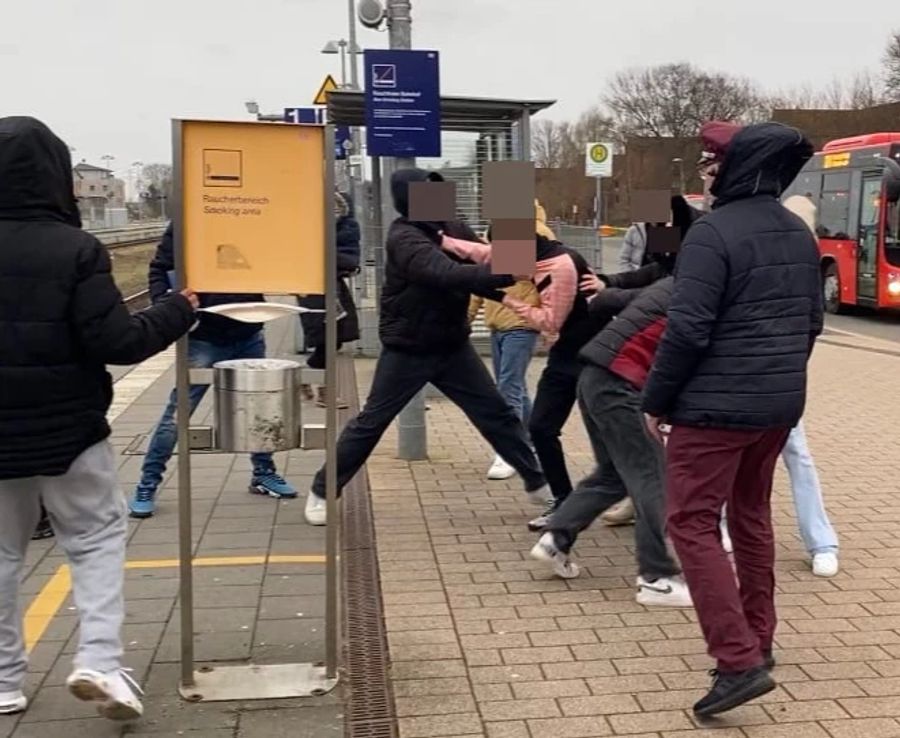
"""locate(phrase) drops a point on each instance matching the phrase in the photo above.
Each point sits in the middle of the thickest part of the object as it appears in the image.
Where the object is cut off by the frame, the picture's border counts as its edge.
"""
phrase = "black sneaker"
(43, 531)
(541, 521)
(733, 689)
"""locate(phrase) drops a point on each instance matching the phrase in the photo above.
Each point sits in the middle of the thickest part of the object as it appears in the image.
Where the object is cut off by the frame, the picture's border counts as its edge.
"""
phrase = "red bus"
(855, 185)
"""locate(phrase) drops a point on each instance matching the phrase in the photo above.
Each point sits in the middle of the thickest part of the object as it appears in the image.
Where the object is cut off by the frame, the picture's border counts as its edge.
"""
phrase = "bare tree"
(675, 99)
(562, 144)
(547, 139)
(862, 90)
(158, 188)
(891, 63)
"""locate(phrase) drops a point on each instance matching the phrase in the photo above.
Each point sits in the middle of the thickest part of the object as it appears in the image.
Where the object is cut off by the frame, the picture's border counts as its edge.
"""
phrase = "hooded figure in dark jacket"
(62, 320)
(730, 377)
(424, 329)
(348, 254)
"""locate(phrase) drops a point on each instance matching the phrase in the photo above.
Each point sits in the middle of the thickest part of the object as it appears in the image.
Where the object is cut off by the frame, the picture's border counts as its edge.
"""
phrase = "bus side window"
(834, 208)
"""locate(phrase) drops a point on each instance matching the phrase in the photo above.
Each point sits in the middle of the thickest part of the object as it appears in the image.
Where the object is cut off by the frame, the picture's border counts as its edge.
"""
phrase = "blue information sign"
(403, 103)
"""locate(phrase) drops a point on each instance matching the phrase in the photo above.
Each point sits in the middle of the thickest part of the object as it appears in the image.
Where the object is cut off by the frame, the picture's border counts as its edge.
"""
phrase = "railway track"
(138, 301)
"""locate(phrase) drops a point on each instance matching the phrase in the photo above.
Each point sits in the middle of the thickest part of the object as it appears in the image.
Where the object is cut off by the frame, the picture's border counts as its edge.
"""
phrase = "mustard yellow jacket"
(500, 318)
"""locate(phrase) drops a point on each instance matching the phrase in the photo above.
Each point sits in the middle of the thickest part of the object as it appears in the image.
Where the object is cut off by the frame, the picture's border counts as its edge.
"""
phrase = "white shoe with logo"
(12, 702)
(117, 695)
(547, 551)
(663, 592)
(500, 470)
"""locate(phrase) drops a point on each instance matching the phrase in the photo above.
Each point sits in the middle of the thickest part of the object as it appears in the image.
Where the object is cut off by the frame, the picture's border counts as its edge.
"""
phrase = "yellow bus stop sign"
(598, 159)
(253, 207)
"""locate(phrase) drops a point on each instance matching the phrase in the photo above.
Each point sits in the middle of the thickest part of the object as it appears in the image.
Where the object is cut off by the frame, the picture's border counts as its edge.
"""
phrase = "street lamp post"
(343, 47)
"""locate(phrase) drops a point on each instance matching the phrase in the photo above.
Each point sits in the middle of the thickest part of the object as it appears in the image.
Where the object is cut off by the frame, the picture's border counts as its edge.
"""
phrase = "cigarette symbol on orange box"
(222, 168)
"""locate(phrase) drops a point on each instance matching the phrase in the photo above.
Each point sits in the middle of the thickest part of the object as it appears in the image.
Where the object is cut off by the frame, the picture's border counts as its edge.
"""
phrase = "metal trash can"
(257, 405)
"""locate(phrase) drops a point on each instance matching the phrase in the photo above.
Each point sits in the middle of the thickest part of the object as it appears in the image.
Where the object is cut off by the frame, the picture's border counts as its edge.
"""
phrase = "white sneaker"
(117, 694)
(547, 551)
(622, 513)
(316, 510)
(540, 497)
(825, 564)
(726, 537)
(664, 592)
(12, 702)
(500, 470)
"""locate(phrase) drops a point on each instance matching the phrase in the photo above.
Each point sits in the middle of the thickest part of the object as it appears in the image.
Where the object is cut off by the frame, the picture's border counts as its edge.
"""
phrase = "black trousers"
(553, 404)
(627, 459)
(463, 378)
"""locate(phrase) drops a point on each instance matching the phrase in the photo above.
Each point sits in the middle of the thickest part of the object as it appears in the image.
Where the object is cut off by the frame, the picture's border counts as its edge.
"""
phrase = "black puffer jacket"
(61, 316)
(747, 302)
(425, 298)
(211, 328)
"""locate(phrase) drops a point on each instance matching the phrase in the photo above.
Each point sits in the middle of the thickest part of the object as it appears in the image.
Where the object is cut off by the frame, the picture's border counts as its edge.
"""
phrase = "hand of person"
(653, 426)
(591, 283)
(191, 297)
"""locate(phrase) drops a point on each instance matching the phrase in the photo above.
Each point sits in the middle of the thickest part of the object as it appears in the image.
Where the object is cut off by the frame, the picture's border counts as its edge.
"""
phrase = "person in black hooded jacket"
(62, 319)
(730, 378)
(347, 238)
(215, 338)
(424, 329)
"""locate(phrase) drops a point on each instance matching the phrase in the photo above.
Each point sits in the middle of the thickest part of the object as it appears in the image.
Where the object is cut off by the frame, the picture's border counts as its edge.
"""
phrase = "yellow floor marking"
(46, 605)
(227, 561)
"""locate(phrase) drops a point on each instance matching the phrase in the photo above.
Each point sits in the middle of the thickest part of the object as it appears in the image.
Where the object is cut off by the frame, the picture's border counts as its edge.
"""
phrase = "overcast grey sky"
(107, 75)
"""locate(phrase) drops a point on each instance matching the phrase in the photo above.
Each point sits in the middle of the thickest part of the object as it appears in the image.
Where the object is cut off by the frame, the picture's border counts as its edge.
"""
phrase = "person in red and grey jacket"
(631, 316)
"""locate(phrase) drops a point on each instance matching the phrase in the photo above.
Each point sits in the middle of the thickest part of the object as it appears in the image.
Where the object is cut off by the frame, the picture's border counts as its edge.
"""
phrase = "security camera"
(371, 13)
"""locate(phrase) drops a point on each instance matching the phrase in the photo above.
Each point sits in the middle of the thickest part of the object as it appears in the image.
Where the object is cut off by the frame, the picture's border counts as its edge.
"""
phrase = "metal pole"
(343, 45)
(183, 412)
(412, 438)
(354, 70)
(378, 225)
(598, 220)
(331, 499)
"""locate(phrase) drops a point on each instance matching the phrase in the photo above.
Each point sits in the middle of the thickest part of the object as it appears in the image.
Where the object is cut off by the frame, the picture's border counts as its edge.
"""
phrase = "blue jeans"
(815, 528)
(512, 352)
(201, 355)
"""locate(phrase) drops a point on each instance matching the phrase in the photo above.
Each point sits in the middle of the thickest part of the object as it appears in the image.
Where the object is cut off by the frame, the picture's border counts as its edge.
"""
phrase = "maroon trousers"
(707, 468)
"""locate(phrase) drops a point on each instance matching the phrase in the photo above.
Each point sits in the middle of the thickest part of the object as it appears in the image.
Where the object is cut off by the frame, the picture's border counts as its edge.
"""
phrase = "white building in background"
(101, 197)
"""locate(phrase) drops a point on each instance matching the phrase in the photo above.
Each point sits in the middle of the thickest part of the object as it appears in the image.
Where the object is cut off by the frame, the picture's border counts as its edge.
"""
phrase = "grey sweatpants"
(627, 459)
(88, 514)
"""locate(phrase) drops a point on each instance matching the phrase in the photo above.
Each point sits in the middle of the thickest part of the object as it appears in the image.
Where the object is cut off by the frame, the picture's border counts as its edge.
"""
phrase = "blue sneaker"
(272, 485)
(142, 505)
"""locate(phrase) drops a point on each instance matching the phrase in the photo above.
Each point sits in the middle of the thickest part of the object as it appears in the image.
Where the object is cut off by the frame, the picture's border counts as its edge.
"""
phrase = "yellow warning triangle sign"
(327, 86)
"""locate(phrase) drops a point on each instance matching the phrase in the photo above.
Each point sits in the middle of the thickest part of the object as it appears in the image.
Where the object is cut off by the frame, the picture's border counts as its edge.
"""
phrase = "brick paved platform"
(484, 643)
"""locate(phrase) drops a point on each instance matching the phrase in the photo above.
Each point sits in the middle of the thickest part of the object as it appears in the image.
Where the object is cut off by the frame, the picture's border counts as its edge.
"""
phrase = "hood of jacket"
(761, 159)
(400, 181)
(35, 174)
